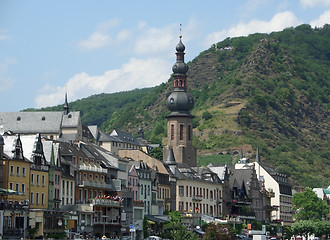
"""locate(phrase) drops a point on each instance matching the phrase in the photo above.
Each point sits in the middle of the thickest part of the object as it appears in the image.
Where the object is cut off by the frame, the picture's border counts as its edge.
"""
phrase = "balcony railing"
(197, 198)
(39, 167)
(218, 200)
(90, 168)
(95, 184)
(138, 203)
(106, 202)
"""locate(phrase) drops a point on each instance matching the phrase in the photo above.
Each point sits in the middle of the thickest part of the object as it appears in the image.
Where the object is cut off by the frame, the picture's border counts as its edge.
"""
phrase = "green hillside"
(268, 90)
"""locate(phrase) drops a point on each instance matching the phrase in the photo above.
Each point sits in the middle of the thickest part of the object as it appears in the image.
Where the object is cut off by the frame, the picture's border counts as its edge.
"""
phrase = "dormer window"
(43, 118)
(69, 116)
(171, 100)
(18, 118)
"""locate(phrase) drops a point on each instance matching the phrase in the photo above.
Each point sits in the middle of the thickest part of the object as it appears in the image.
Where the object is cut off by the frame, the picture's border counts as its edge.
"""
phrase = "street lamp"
(104, 217)
(25, 213)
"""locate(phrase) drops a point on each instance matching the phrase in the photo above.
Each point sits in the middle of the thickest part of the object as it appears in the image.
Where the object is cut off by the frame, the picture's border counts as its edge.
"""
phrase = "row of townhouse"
(83, 188)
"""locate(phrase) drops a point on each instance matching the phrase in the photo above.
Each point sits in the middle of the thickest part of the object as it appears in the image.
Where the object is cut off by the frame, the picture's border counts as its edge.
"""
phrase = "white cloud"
(313, 3)
(155, 40)
(250, 7)
(6, 82)
(102, 38)
(123, 35)
(141, 24)
(104, 26)
(95, 40)
(3, 37)
(323, 19)
(137, 73)
(277, 23)
(162, 41)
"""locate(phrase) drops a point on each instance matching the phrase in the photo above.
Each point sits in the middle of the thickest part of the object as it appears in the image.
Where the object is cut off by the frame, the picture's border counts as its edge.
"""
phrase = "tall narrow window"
(189, 133)
(172, 132)
(181, 132)
(31, 198)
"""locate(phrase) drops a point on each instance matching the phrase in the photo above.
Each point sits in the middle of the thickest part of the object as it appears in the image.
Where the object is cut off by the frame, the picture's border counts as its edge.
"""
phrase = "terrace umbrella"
(4, 191)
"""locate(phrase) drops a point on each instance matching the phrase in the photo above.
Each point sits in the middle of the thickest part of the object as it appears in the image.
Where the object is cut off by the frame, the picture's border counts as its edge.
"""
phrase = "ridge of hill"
(269, 91)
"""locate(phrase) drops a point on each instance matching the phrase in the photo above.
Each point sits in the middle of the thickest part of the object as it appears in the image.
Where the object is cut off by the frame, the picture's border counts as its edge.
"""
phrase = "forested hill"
(267, 90)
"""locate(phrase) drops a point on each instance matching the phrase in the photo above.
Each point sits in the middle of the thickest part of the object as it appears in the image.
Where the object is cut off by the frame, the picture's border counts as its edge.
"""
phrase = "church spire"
(66, 105)
(180, 101)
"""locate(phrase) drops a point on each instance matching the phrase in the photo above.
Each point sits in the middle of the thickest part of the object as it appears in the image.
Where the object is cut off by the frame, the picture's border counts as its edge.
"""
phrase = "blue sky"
(92, 47)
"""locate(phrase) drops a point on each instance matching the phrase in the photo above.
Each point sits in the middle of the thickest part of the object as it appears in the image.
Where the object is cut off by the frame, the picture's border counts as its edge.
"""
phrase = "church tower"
(179, 121)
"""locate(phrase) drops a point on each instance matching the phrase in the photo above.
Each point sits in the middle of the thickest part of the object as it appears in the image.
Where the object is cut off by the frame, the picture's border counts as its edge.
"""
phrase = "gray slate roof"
(37, 122)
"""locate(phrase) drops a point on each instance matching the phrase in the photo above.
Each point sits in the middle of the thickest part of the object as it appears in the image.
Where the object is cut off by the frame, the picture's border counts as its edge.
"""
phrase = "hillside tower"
(179, 121)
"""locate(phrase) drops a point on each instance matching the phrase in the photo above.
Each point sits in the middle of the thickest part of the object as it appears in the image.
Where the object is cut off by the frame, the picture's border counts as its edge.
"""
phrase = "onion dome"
(180, 101)
(180, 67)
(180, 47)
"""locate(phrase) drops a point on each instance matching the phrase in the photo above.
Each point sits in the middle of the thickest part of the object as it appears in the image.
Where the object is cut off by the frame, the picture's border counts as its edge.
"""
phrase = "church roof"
(37, 122)
(31, 122)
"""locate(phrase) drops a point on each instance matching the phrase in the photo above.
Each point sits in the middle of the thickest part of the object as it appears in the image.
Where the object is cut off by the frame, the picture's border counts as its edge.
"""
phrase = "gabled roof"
(71, 120)
(31, 122)
(219, 170)
(103, 137)
(240, 177)
(29, 144)
(38, 122)
(208, 175)
(10, 143)
(50, 146)
(124, 137)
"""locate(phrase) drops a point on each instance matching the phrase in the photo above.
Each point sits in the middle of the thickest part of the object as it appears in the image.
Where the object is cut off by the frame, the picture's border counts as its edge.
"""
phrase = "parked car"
(153, 238)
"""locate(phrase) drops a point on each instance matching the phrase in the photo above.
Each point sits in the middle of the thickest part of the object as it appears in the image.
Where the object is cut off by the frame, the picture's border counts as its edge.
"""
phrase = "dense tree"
(308, 227)
(157, 152)
(307, 206)
(218, 232)
(176, 230)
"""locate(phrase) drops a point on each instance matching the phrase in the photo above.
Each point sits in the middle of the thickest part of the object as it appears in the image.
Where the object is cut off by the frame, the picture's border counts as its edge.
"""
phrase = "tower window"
(172, 132)
(171, 100)
(181, 132)
(189, 133)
